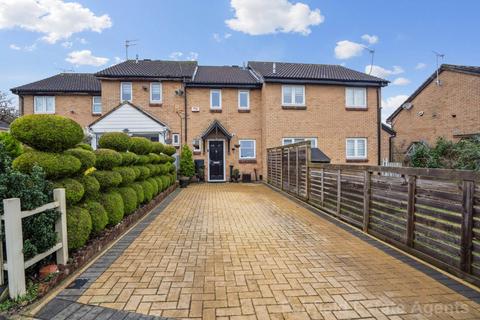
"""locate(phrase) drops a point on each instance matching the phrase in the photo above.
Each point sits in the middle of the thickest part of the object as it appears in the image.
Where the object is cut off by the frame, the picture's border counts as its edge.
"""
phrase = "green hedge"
(74, 189)
(154, 184)
(107, 179)
(154, 158)
(140, 145)
(13, 147)
(87, 158)
(139, 191)
(129, 196)
(128, 158)
(107, 159)
(84, 146)
(55, 165)
(112, 201)
(98, 214)
(143, 159)
(147, 191)
(159, 183)
(128, 175)
(79, 227)
(165, 182)
(137, 172)
(158, 147)
(118, 141)
(47, 132)
(90, 185)
(153, 169)
(144, 172)
(169, 150)
(163, 158)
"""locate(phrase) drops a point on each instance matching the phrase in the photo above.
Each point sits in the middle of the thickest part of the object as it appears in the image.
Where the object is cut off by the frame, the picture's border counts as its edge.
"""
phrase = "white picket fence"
(16, 264)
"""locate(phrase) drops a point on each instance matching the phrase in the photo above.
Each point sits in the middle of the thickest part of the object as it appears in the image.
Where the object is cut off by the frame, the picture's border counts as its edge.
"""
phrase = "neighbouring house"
(228, 115)
(446, 107)
(4, 126)
(387, 136)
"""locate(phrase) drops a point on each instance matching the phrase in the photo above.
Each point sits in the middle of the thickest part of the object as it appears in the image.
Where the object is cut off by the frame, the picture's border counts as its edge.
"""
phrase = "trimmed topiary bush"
(74, 190)
(128, 158)
(140, 145)
(144, 172)
(147, 191)
(87, 158)
(113, 203)
(98, 215)
(79, 227)
(165, 182)
(90, 185)
(169, 150)
(154, 184)
(157, 147)
(13, 147)
(154, 158)
(107, 159)
(55, 165)
(187, 166)
(137, 171)
(84, 146)
(153, 169)
(129, 196)
(159, 183)
(117, 141)
(163, 158)
(143, 159)
(139, 191)
(47, 132)
(128, 175)
(107, 179)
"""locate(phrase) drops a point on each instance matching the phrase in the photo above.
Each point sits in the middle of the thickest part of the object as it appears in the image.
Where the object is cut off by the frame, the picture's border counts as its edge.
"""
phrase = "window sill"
(215, 110)
(96, 114)
(294, 107)
(356, 108)
(156, 104)
(196, 153)
(243, 110)
(357, 160)
(247, 161)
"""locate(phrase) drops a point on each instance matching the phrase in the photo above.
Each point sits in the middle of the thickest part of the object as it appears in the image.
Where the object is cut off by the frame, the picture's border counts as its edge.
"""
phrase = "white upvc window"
(215, 99)
(356, 97)
(155, 92)
(97, 105)
(244, 99)
(44, 104)
(293, 95)
(176, 139)
(313, 141)
(197, 148)
(247, 149)
(126, 91)
(356, 148)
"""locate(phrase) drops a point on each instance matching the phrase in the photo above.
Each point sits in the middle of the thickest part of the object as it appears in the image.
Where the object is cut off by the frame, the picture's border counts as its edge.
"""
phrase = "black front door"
(216, 165)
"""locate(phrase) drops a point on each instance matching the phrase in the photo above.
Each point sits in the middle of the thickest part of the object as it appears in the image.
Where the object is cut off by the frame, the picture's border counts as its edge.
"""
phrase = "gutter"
(332, 82)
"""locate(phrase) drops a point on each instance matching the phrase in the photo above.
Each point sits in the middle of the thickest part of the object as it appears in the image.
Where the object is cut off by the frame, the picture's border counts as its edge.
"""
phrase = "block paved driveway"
(244, 251)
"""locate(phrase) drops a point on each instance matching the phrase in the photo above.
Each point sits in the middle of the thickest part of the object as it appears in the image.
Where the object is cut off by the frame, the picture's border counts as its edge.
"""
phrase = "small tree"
(187, 166)
(8, 113)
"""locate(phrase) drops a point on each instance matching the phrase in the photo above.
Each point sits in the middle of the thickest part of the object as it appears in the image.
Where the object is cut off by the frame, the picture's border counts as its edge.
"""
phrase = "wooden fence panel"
(476, 233)
(351, 196)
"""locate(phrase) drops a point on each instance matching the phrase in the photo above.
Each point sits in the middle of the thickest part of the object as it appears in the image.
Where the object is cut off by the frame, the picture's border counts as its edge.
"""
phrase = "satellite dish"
(407, 106)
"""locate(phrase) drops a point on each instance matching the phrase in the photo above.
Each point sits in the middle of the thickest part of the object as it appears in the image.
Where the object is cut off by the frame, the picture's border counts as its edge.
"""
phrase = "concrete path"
(244, 251)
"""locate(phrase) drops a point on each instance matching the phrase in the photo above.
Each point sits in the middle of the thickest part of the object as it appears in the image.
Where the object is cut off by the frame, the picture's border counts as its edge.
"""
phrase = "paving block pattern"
(244, 251)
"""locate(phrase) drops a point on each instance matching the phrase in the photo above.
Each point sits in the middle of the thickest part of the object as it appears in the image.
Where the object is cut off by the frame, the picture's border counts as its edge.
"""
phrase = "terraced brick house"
(447, 106)
(228, 115)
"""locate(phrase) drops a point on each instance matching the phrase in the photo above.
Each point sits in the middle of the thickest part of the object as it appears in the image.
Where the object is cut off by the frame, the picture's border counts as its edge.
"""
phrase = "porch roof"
(216, 127)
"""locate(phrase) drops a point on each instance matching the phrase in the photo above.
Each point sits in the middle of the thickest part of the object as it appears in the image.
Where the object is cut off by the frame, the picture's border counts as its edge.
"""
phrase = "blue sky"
(42, 38)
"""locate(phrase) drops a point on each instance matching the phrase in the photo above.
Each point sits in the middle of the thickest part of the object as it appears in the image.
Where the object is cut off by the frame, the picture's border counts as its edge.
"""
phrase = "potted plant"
(236, 175)
(187, 166)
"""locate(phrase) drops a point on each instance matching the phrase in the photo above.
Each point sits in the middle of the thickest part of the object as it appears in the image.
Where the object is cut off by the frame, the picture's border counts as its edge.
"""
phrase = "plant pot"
(184, 182)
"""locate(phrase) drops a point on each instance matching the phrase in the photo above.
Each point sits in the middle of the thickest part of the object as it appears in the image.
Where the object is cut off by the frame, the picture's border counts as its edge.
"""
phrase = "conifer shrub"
(169, 150)
(74, 189)
(87, 158)
(127, 173)
(140, 145)
(139, 191)
(117, 141)
(12, 146)
(107, 179)
(55, 165)
(157, 147)
(90, 185)
(129, 196)
(147, 191)
(154, 184)
(84, 146)
(128, 158)
(112, 201)
(79, 227)
(144, 172)
(107, 159)
(98, 215)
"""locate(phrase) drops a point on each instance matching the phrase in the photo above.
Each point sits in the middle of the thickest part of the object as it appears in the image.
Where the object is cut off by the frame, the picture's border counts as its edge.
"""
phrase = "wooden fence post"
(14, 243)
(366, 200)
(412, 181)
(467, 225)
(281, 168)
(61, 225)
(298, 169)
(322, 197)
(339, 190)
(307, 168)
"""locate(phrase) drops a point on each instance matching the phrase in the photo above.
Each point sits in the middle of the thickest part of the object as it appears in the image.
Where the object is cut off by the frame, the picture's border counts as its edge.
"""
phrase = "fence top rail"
(450, 174)
(292, 145)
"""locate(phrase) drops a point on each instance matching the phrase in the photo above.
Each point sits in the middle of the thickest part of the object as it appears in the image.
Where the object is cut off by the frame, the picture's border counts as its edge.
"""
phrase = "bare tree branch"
(8, 113)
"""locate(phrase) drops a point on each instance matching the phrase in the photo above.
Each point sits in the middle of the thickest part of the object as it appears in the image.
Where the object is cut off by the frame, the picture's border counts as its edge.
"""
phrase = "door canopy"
(216, 131)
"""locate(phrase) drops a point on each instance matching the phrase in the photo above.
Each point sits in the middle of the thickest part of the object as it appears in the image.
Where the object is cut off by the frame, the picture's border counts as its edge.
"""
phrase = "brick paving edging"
(447, 281)
(68, 296)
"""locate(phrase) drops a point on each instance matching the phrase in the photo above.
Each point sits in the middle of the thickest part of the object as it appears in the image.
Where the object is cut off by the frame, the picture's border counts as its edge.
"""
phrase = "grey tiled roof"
(305, 71)
(150, 69)
(224, 75)
(63, 82)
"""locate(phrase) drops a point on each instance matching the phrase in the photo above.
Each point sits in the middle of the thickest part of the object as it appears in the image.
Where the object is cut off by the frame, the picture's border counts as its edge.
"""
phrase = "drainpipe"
(379, 128)
(185, 108)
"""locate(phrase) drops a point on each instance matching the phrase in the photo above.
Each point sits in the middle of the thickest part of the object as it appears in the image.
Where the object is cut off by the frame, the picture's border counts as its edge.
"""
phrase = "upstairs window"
(176, 139)
(356, 148)
(293, 95)
(313, 141)
(97, 105)
(44, 104)
(247, 149)
(243, 99)
(356, 98)
(126, 91)
(216, 99)
(155, 92)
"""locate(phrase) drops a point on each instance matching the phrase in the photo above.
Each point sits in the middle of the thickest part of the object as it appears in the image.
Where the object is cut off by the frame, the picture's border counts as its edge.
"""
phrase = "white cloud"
(371, 39)
(227, 35)
(401, 81)
(420, 66)
(347, 49)
(192, 56)
(219, 38)
(28, 48)
(256, 17)
(118, 59)
(380, 72)
(178, 55)
(67, 44)
(14, 47)
(85, 57)
(54, 18)
(392, 103)
(82, 40)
